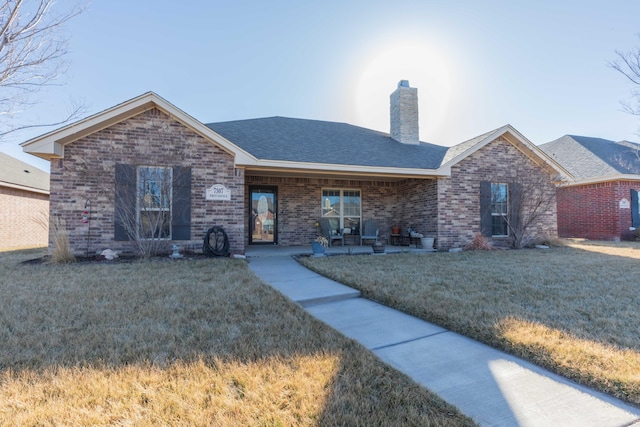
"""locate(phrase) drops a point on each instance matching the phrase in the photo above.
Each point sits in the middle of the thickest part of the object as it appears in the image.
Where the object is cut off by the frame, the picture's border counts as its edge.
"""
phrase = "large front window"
(154, 202)
(499, 209)
(343, 206)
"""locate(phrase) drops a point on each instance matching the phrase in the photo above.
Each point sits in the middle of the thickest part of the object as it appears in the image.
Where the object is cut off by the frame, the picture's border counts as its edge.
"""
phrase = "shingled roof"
(313, 141)
(590, 158)
(17, 174)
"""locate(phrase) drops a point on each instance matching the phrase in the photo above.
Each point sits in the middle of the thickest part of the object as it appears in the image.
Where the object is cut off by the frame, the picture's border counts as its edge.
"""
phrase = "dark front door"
(263, 219)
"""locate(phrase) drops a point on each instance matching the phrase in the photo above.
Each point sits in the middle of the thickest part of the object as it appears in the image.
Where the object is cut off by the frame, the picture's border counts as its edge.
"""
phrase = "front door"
(262, 221)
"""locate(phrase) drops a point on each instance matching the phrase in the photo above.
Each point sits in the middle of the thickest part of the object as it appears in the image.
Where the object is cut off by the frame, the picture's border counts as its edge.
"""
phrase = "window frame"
(504, 210)
(341, 195)
(166, 206)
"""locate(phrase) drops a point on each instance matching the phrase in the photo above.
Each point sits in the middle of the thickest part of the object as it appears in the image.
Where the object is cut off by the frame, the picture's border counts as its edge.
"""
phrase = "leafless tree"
(144, 212)
(33, 47)
(531, 196)
(628, 64)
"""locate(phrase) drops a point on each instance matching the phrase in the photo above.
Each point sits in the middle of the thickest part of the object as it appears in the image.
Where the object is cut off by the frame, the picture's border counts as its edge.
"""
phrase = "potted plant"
(427, 242)
(319, 245)
(378, 248)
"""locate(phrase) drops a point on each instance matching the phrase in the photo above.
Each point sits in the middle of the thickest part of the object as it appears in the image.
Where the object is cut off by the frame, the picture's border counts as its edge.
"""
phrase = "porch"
(277, 250)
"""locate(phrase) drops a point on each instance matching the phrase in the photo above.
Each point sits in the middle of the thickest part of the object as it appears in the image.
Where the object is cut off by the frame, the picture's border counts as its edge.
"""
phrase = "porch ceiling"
(327, 174)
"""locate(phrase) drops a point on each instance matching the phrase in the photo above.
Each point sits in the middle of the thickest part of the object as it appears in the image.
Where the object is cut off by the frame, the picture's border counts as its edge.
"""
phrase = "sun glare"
(426, 69)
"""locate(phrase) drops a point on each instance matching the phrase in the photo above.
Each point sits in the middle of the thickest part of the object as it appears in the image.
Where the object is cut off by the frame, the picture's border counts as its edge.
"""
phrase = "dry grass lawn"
(188, 342)
(572, 309)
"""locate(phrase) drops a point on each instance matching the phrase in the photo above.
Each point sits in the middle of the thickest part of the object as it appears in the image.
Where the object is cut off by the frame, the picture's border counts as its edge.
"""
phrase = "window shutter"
(485, 208)
(635, 211)
(181, 205)
(125, 201)
(515, 208)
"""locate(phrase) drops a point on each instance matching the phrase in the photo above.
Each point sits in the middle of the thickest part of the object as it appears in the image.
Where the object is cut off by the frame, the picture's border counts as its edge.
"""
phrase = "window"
(154, 202)
(342, 205)
(499, 209)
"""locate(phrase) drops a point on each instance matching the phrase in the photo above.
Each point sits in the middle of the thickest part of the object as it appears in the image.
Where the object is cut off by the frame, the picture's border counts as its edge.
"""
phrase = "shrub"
(479, 243)
(60, 237)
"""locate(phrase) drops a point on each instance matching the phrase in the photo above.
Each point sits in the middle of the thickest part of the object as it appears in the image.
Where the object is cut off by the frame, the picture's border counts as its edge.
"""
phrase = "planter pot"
(317, 248)
(378, 249)
(395, 230)
(426, 242)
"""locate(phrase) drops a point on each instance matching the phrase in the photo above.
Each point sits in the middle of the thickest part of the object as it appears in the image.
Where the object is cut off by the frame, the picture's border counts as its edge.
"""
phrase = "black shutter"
(635, 211)
(486, 224)
(515, 205)
(125, 201)
(181, 206)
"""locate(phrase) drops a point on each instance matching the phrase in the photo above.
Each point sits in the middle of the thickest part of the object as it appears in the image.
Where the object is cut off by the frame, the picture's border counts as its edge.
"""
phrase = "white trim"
(23, 187)
(329, 168)
(601, 179)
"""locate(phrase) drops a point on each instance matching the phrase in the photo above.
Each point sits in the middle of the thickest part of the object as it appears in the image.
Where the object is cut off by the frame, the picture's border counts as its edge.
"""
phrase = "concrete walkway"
(493, 388)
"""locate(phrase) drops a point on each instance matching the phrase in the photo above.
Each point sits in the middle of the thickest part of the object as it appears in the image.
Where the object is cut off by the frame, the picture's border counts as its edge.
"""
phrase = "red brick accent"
(592, 211)
(153, 139)
(24, 216)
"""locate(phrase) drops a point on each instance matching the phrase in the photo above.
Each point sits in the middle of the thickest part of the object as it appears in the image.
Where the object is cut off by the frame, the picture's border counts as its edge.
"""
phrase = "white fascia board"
(603, 178)
(23, 187)
(324, 168)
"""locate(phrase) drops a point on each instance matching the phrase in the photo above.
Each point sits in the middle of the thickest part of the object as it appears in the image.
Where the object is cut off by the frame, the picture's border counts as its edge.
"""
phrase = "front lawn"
(186, 342)
(573, 309)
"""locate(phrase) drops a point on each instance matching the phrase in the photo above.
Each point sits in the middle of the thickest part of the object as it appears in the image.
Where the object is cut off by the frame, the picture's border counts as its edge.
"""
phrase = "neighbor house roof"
(595, 159)
(18, 174)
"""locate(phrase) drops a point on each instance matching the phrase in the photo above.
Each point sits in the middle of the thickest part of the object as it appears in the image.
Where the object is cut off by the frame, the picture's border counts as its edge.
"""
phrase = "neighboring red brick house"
(24, 205)
(601, 202)
(268, 181)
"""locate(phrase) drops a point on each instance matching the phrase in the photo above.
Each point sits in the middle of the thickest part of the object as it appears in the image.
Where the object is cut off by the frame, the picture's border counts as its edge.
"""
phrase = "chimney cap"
(403, 83)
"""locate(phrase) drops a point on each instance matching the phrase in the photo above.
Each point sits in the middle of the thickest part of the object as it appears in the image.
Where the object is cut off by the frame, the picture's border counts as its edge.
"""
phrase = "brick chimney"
(404, 114)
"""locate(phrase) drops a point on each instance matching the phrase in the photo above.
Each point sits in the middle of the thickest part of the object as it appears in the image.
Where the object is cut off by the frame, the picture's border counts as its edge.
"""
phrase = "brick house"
(24, 205)
(269, 180)
(601, 201)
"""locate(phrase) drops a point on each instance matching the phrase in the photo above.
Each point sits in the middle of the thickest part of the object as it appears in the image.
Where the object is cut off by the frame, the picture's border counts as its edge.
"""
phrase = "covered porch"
(292, 206)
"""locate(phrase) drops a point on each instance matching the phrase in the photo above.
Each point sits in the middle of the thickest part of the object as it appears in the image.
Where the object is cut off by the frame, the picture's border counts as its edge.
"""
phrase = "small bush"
(60, 237)
(479, 243)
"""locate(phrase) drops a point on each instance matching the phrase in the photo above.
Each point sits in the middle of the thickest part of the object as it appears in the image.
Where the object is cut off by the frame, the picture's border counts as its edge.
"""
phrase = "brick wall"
(592, 211)
(459, 194)
(24, 216)
(151, 139)
(418, 203)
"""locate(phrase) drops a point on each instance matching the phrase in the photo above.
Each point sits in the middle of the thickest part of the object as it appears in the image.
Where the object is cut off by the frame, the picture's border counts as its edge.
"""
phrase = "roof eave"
(330, 169)
(602, 178)
(24, 188)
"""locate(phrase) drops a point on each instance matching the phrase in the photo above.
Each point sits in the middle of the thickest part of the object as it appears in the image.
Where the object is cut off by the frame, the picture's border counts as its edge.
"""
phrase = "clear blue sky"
(540, 66)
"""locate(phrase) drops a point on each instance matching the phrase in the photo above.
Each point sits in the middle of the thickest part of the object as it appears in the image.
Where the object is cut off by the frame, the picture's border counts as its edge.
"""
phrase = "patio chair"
(370, 231)
(330, 232)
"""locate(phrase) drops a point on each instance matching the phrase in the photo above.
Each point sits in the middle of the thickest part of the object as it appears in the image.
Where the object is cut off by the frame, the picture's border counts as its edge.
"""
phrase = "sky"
(540, 66)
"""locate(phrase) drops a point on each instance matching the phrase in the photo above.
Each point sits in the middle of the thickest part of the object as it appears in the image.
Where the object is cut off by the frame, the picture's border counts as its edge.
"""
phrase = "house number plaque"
(625, 204)
(218, 192)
